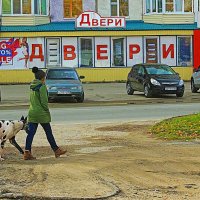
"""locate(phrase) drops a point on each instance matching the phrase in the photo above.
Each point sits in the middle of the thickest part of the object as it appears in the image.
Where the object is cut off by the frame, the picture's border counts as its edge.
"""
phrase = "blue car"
(64, 82)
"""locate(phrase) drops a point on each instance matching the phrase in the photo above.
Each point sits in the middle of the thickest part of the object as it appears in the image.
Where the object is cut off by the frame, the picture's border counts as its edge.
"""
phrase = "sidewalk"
(95, 93)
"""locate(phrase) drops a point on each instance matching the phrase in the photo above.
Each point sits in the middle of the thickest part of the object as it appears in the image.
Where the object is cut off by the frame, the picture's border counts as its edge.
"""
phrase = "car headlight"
(51, 88)
(181, 82)
(76, 88)
(154, 82)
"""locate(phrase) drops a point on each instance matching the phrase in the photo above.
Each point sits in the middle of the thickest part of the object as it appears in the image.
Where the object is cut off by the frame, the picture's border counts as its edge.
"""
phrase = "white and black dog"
(8, 131)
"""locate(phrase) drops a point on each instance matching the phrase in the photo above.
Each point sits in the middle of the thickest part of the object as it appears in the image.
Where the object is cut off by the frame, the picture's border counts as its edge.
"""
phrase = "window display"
(86, 52)
(184, 51)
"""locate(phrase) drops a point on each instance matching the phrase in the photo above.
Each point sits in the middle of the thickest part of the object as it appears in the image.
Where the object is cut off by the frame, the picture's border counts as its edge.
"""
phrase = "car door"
(133, 77)
(140, 78)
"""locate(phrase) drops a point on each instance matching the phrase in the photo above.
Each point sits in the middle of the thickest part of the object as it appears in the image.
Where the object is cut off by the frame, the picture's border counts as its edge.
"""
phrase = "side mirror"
(81, 77)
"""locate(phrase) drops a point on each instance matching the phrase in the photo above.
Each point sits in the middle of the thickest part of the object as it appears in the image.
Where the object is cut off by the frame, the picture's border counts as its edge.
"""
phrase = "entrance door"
(151, 50)
(53, 52)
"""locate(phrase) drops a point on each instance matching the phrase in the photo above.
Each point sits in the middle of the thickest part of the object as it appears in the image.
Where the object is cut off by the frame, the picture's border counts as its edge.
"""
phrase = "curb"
(105, 103)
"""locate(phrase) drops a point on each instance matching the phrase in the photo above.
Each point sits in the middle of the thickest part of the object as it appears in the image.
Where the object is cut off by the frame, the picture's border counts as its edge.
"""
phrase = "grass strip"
(185, 127)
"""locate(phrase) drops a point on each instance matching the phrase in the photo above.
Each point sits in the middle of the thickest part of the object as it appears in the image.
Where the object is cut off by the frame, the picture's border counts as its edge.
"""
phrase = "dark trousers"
(32, 130)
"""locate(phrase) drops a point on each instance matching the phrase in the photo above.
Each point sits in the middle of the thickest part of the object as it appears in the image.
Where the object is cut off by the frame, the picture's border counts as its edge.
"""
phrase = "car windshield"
(159, 70)
(62, 74)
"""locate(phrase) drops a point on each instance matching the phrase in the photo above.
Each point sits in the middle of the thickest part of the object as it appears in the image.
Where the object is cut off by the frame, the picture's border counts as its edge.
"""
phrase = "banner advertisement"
(102, 52)
(25, 53)
(69, 52)
(134, 50)
(21, 53)
(168, 50)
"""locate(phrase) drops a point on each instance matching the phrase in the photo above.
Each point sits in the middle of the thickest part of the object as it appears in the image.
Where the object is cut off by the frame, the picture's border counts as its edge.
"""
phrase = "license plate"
(64, 92)
(170, 88)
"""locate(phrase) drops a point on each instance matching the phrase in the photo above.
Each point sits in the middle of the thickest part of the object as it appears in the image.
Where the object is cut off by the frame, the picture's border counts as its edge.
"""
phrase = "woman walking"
(39, 114)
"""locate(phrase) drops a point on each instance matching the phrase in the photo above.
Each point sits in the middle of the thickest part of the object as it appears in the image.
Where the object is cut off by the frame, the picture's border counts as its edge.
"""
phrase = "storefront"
(95, 51)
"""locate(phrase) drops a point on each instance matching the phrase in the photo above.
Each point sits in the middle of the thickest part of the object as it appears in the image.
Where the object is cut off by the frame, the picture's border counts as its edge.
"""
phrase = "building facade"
(102, 38)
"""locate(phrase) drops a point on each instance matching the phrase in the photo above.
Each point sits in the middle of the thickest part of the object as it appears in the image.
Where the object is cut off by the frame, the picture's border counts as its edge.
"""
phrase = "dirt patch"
(121, 128)
(104, 161)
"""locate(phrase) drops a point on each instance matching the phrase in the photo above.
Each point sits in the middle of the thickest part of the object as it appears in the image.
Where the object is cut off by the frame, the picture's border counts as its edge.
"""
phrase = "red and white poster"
(168, 50)
(102, 52)
(69, 52)
(134, 50)
(21, 53)
(25, 53)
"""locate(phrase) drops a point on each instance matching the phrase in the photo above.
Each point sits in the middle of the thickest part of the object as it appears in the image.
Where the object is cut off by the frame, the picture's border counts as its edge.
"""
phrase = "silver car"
(195, 80)
(64, 82)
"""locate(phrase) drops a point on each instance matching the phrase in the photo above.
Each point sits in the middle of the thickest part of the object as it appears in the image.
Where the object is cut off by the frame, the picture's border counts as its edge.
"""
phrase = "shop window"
(20, 7)
(118, 52)
(169, 6)
(119, 8)
(86, 53)
(184, 51)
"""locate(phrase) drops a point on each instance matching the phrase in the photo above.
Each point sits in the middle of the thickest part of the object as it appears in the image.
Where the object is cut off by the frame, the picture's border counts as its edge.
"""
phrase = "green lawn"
(178, 128)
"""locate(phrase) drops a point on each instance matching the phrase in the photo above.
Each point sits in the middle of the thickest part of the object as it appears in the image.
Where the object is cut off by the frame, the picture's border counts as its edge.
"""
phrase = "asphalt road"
(95, 94)
(118, 113)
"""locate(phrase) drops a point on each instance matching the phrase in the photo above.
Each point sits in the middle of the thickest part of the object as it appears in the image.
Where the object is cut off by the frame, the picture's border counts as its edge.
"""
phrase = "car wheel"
(180, 94)
(129, 89)
(147, 91)
(193, 88)
(80, 99)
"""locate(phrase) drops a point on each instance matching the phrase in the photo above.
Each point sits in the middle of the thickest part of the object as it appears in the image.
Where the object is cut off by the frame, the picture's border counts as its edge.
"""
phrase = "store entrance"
(151, 50)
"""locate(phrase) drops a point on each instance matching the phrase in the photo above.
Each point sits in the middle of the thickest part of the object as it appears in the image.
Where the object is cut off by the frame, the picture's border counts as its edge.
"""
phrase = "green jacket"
(38, 110)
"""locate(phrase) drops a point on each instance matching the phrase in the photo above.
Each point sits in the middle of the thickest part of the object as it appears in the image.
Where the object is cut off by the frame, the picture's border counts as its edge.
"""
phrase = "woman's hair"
(39, 74)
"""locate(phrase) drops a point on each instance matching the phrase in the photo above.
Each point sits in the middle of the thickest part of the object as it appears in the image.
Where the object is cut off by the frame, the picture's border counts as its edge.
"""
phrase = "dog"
(8, 131)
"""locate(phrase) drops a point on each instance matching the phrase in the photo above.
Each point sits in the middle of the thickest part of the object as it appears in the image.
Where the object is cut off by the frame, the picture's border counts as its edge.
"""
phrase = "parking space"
(98, 93)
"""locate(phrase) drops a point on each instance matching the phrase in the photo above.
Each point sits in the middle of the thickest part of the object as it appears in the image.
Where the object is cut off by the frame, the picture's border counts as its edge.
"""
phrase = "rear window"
(159, 70)
(62, 74)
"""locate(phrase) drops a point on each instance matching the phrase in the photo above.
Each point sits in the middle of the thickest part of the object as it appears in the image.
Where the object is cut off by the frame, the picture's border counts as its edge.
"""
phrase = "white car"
(195, 81)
